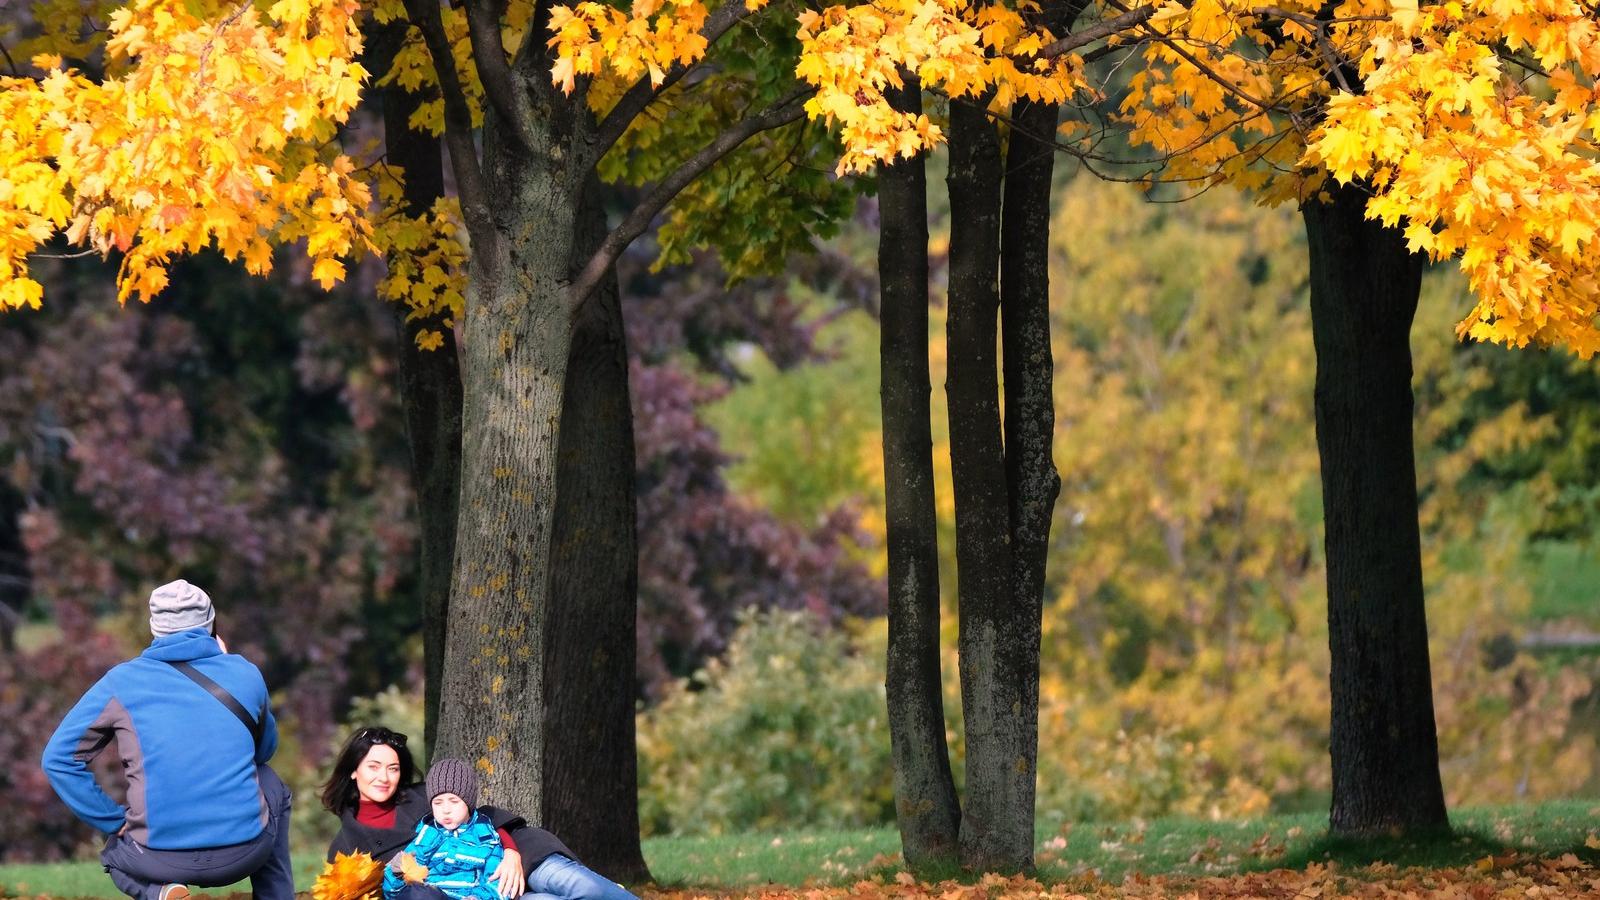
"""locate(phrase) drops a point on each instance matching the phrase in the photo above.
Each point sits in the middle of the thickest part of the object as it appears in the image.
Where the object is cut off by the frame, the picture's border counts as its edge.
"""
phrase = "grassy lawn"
(1066, 852)
(1564, 579)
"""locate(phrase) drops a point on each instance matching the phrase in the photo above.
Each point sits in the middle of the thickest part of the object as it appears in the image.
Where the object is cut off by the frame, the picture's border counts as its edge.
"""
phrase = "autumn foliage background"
(249, 437)
(244, 433)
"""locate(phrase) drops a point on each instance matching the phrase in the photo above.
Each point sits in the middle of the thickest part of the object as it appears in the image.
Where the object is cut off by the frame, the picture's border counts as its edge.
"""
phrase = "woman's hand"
(508, 877)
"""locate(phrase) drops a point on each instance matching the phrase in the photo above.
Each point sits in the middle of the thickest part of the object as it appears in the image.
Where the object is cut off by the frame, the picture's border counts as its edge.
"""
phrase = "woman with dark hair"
(375, 792)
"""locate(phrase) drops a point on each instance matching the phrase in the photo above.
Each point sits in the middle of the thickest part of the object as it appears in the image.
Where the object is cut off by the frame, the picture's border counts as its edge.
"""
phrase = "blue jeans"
(560, 878)
(140, 872)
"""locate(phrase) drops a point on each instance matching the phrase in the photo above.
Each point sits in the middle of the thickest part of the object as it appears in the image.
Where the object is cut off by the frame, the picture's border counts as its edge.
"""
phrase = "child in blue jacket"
(456, 844)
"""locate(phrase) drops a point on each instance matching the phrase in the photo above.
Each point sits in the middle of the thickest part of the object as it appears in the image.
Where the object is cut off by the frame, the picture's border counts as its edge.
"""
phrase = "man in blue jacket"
(193, 729)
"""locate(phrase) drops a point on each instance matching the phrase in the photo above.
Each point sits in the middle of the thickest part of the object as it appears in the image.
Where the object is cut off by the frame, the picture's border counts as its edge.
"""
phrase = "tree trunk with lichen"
(926, 808)
(538, 669)
(997, 816)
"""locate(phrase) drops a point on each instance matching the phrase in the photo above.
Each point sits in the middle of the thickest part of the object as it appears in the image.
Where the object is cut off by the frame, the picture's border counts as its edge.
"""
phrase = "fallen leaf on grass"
(1506, 876)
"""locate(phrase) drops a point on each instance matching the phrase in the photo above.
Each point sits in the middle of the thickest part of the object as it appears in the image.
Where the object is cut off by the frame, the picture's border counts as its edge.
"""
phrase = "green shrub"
(787, 730)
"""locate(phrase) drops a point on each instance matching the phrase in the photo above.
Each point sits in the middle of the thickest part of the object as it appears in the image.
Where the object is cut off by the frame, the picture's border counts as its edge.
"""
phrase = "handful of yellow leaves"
(351, 876)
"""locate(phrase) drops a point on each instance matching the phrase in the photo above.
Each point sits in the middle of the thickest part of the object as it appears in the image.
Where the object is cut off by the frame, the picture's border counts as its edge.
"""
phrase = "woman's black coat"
(534, 843)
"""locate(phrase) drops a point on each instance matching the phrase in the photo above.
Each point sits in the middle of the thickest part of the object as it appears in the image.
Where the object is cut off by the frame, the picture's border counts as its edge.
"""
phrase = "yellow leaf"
(410, 870)
(327, 272)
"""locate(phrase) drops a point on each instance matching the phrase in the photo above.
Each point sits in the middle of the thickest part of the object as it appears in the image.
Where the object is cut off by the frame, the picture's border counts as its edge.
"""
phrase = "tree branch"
(1073, 41)
(457, 119)
(489, 55)
(1108, 49)
(10, 62)
(1336, 61)
(643, 93)
(780, 113)
(1188, 57)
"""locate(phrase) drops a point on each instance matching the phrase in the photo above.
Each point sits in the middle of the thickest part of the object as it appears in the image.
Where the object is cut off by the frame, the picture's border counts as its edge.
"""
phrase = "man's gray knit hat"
(453, 776)
(179, 606)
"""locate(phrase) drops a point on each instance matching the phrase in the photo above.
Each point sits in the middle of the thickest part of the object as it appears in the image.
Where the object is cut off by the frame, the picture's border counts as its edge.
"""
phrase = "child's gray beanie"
(453, 776)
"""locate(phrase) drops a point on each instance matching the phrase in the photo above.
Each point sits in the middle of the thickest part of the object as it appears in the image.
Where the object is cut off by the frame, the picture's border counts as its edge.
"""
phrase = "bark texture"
(517, 342)
(926, 808)
(996, 834)
(1030, 418)
(430, 387)
(590, 763)
(1364, 289)
(539, 662)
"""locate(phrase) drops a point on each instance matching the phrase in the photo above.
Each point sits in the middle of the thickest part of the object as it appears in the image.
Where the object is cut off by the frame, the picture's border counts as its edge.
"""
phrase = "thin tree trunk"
(591, 788)
(16, 581)
(1364, 288)
(430, 387)
(1029, 436)
(926, 807)
(996, 835)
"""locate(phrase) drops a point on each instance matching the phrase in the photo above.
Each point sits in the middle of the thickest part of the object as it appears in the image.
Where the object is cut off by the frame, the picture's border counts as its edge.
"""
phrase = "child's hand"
(410, 870)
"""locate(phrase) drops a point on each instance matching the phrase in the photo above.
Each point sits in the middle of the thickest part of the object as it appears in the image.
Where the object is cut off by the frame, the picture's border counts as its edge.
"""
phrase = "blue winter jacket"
(189, 761)
(459, 862)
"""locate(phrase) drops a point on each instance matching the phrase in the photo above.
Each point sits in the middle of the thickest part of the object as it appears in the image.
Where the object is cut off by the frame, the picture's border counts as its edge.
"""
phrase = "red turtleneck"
(375, 815)
(382, 815)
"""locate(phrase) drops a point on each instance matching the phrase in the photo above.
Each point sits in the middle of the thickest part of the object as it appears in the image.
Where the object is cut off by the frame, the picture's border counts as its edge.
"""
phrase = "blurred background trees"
(246, 435)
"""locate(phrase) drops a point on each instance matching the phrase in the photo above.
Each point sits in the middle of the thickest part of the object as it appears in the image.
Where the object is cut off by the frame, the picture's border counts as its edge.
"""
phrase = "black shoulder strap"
(226, 699)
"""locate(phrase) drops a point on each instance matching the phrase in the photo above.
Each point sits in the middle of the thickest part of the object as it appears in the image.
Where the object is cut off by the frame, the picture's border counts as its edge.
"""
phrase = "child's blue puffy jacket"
(459, 862)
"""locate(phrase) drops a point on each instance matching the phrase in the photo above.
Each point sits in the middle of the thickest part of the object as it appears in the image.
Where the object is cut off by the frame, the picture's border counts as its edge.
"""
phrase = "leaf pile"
(1509, 876)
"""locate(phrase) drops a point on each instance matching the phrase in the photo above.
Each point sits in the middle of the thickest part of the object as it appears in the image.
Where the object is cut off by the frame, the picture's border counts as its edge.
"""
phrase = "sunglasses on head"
(380, 735)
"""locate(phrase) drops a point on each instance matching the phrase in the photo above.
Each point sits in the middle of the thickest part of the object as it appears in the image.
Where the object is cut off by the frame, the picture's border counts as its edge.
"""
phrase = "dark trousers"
(140, 872)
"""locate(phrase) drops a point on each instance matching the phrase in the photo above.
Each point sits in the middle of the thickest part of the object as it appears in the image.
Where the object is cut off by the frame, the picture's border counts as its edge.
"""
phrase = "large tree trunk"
(539, 661)
(430, 387)
(1364, 288)
(996, 824)
(926, 808)
(591, 788)
(517, 342)
(1029, 433)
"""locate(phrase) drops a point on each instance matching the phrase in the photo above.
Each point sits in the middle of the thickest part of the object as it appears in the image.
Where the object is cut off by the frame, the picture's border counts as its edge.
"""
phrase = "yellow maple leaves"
(212, 136)
(595, 39)
(1226, 87)
(427, 268)
(1477, 131)
(32, 192)
(350, 876)
(1474, 122)
(853, 54)
(850, 53)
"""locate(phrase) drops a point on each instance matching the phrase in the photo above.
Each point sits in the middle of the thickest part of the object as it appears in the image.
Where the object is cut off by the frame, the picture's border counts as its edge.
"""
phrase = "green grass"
(1191, 847)
(821, 857)
(87, 879)
(1108, 851)
(1564, 579)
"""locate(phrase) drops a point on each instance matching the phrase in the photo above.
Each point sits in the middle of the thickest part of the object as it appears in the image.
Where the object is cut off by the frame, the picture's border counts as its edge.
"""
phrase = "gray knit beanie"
(179, 606)
(453, 776)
